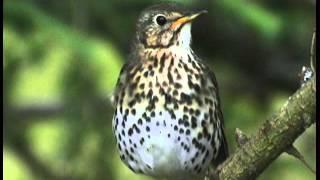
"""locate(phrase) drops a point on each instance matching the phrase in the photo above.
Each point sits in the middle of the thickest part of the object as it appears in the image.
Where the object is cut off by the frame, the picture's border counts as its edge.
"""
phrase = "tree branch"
(33, 111)
(39, 112)
(275, 136)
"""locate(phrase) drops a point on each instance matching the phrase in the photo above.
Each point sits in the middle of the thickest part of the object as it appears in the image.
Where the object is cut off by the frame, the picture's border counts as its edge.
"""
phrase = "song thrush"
(168, 122)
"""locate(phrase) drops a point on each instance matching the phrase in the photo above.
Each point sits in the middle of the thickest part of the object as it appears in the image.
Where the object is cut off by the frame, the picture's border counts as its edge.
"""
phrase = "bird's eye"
(161, 20)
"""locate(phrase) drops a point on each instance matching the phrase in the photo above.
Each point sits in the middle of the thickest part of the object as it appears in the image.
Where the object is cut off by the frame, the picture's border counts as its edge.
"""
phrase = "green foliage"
(266, 22)
(63, 46)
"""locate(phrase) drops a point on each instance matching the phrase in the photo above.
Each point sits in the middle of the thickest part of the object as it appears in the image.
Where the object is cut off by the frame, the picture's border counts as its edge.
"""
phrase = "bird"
(167, 122)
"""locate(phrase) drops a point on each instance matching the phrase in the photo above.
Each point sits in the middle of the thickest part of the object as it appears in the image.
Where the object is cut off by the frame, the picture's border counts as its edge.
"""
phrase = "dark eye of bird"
(161, 20)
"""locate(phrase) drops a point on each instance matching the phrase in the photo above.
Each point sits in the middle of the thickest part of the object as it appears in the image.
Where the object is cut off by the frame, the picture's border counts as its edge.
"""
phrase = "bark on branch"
(274, 137)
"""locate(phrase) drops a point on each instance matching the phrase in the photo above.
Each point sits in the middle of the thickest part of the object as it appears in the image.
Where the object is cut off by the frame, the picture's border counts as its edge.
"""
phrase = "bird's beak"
(185, 19)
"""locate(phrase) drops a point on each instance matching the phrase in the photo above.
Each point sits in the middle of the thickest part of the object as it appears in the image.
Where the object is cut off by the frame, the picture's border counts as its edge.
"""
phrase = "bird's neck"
(180, 47)
(179, 52)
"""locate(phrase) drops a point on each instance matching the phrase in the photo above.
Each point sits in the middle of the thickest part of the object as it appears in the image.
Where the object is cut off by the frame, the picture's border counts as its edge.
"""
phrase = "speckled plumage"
(167, 121)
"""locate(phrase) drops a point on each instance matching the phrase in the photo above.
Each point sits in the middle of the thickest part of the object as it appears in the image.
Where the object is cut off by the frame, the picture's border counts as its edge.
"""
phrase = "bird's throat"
(180, 47)
(184, 37)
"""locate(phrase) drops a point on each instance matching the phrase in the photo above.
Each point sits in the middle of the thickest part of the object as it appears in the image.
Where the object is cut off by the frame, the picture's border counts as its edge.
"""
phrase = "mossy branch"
(274, 137)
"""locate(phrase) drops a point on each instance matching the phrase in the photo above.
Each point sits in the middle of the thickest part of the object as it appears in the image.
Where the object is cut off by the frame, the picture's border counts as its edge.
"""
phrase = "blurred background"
(62, 59)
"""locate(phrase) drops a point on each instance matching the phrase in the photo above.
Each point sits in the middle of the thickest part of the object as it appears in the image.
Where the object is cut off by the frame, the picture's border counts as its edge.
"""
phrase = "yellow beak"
(186, 19)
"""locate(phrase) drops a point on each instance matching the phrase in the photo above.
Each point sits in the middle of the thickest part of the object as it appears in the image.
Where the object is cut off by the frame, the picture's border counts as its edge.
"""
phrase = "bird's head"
(165, 25)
